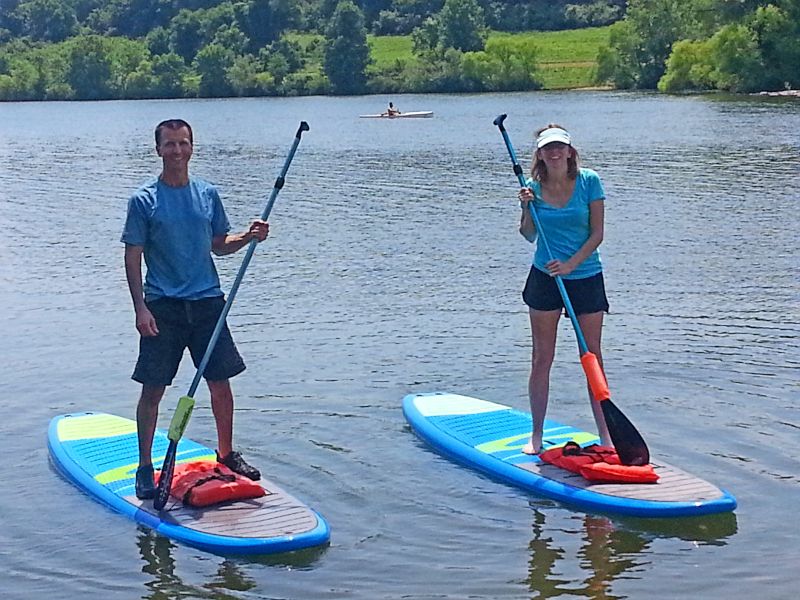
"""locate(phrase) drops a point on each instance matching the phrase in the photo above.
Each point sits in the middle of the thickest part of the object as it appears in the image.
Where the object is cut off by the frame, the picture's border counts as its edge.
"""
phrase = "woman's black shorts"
(587, 295)
(186, 324)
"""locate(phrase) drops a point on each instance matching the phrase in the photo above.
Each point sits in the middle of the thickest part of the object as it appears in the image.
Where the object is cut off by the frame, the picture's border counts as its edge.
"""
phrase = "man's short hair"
(173, 124)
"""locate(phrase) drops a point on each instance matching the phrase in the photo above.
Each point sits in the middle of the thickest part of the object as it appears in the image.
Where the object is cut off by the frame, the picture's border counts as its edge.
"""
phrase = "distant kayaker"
(391, 111)
(176, 222)
(569, 201)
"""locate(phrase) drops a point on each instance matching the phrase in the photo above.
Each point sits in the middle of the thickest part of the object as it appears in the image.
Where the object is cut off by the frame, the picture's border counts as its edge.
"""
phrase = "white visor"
(554, 134)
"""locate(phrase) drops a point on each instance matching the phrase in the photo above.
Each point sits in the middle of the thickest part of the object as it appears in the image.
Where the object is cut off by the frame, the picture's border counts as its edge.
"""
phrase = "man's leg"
(222, 406)
(146, 420)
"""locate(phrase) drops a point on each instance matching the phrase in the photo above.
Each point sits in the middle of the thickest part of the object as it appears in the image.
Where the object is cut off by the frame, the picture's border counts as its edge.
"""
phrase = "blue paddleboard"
(489, 437)
(98, 452)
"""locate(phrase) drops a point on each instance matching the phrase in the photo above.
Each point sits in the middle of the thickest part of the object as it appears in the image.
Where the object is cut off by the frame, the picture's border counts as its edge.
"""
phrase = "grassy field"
(567, 58)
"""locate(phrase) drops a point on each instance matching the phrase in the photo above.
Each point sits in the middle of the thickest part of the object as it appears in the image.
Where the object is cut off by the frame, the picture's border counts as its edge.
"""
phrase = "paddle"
(185, 405)
(628, 442)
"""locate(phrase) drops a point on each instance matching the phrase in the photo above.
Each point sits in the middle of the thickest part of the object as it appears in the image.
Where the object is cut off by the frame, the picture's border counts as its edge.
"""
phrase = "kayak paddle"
(185, 405)
(628, 442)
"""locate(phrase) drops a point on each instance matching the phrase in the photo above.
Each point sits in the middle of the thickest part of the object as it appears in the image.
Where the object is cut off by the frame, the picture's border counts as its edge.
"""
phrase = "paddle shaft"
(245, 262)
(180, 418)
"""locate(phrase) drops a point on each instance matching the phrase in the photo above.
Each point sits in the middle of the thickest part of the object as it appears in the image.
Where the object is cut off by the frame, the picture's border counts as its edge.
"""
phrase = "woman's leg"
(544, 327)
(592, 327)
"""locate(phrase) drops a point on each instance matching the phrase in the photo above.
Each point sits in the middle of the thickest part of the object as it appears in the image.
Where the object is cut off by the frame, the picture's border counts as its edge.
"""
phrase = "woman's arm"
(526, 225)
(596, 226)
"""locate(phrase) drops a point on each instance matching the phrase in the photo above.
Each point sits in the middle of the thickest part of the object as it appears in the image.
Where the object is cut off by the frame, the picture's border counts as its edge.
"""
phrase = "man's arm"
(233, 242)
(145, 322)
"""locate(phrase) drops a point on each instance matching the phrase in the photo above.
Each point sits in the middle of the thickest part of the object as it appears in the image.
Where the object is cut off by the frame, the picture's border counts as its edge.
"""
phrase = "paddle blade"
(165, 479)
(628, 442)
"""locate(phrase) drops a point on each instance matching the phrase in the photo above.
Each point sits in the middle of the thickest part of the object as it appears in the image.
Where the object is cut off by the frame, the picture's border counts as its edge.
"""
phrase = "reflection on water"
(610, 550)
(156, 551)
(158, 557)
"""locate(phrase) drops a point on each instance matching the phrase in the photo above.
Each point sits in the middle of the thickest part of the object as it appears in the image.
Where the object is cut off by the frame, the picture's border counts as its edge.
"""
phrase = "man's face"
(175, 146)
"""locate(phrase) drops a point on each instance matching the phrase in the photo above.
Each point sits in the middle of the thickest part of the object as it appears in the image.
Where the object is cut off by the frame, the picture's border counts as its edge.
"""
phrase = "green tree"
(689, 67)
(346, 51)
(47, 20)
(263, 21)
(132, 18)
(462, 25)
(504, 65)
(186, 34)
(639, 45)
(89, 73)
(737, 59)
(169, 71)
(777, 31)
(248, 77)
(212, 64)
(425, 38)
(158, 40)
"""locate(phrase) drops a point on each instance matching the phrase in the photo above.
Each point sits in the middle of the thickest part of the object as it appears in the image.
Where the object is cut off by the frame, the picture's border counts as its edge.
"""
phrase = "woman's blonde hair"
(539, 169)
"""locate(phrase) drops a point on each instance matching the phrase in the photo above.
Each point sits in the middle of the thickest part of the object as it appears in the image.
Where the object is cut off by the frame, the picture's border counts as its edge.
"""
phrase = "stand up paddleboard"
(489, 437)
(98, 452)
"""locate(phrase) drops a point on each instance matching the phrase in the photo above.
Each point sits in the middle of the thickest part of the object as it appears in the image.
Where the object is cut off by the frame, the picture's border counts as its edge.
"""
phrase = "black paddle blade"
(165, 481)
(628, 442)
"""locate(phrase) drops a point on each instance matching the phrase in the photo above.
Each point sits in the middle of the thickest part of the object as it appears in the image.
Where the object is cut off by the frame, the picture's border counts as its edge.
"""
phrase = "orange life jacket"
(205, 482)
(598, 463)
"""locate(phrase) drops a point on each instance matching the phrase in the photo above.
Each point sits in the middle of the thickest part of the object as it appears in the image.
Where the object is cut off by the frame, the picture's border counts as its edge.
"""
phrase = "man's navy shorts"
(587, 295)
(186, 324)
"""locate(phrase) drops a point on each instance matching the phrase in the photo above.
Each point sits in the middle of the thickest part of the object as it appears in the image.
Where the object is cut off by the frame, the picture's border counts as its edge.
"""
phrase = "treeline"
(733, 45)
(104, 49)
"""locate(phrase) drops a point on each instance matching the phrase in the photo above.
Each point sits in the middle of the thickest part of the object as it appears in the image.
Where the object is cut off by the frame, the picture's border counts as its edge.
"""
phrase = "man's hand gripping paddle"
(185, 405)
(628, 442)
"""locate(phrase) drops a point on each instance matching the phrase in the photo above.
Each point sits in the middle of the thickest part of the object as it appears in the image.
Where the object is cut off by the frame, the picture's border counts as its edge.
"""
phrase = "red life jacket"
(597, 463)
(205, 482)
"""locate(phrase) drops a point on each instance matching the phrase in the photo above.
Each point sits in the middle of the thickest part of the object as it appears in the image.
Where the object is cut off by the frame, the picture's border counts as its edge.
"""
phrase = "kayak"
(420, 114)
(489, 437)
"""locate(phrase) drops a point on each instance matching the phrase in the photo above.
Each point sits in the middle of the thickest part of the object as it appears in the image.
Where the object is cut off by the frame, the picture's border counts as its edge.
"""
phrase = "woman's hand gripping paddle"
(185, 405)
(628, 442)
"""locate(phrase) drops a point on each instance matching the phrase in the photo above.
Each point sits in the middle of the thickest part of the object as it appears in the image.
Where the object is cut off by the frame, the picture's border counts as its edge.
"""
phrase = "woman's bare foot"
(532, 448)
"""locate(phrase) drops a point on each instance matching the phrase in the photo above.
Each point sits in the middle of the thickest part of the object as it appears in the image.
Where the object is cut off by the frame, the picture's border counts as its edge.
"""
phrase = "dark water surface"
(393, 267)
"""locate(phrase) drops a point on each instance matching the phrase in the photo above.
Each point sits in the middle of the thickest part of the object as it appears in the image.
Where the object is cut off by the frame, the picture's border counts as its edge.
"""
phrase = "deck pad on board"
(99, 453)
(489, 437)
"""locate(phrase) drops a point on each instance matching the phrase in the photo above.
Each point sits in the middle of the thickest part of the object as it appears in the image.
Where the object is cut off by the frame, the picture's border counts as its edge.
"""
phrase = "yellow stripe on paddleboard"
(516, 442)
(129, 471)
(87, 427)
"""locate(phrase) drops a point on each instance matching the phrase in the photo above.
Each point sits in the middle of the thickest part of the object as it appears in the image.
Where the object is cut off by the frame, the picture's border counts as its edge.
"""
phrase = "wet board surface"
(98, 452)
(489, 437)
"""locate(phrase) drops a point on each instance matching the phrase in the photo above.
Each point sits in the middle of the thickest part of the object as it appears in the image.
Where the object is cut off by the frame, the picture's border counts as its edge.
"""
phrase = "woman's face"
(555, 153)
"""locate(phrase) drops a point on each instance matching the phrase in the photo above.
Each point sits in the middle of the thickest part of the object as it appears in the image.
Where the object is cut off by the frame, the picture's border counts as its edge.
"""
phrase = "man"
(176, 221)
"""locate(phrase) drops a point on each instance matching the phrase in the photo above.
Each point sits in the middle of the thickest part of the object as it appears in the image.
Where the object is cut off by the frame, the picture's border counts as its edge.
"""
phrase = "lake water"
(394, 266)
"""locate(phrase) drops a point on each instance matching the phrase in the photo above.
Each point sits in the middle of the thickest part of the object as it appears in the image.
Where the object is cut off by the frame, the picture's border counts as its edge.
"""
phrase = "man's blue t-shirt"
(175, 226)
(567, 229)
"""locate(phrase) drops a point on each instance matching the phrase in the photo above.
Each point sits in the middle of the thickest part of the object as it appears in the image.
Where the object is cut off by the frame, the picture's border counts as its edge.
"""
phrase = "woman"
(569, 203)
